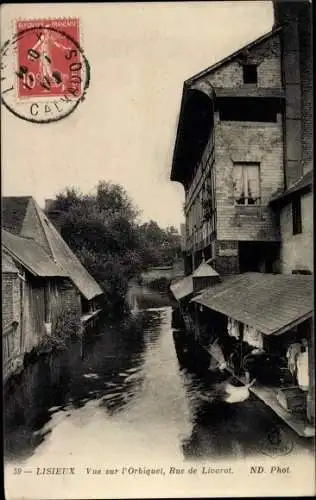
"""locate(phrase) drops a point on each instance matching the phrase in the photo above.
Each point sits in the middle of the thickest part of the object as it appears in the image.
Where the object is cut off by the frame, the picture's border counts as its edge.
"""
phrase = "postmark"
(44, 71)
(276, 443)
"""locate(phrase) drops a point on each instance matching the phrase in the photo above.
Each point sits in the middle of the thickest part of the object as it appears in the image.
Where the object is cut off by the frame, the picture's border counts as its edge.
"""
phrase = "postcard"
(157, 250)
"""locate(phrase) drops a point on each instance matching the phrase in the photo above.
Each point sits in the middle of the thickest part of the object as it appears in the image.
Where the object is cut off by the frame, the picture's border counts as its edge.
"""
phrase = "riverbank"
(127, 397)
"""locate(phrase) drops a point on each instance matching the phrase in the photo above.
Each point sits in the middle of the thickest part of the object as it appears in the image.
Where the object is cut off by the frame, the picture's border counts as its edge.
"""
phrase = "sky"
(124, 131)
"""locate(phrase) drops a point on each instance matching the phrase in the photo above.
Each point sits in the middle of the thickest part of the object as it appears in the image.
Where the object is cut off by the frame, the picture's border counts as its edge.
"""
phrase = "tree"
(102, 229)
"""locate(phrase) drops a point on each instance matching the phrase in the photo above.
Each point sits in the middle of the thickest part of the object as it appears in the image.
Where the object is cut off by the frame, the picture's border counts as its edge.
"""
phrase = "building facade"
(236, 147)
(294, 208)
(243, 153)
(43, 282)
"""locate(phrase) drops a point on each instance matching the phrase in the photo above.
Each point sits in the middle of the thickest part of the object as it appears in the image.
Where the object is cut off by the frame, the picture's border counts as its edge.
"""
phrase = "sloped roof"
(69, 261)
(233, 55)
(8, 265)
(304, 183)
(182, 288)
(13, 210)
(204, 270)
(31, 255)
(272, 303)
(54, 243)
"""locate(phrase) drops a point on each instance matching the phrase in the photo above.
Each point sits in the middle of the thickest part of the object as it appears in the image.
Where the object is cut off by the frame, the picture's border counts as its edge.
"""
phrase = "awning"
(303, 184)
(272, 303)
(205, 271)
(183, 288)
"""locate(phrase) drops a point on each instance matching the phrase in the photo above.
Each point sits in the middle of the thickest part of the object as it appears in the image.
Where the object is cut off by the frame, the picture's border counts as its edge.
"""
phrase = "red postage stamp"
(48, 62)
(44, 71)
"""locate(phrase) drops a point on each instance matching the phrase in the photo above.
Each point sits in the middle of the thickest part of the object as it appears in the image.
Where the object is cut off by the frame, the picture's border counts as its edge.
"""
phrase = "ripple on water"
(129, 396)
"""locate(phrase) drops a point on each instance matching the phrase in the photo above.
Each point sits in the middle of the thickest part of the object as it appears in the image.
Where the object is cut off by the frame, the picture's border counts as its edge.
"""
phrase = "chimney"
(287, 15)
(54, 215)
(49, 204)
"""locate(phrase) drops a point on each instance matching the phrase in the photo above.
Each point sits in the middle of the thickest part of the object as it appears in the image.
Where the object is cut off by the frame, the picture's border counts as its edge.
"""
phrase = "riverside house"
(42, 279)
(243, 153)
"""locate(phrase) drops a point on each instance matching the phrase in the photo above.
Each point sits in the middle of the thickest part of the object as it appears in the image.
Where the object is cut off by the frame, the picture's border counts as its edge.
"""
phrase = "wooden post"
(311, 374)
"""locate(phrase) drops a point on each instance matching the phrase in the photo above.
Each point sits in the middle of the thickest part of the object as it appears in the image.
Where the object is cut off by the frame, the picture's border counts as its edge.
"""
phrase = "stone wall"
(297, 250)
(248, 142)
(266, 55)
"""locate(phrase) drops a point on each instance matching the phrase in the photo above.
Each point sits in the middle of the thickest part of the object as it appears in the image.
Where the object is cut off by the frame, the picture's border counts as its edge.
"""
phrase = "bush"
(67, 325)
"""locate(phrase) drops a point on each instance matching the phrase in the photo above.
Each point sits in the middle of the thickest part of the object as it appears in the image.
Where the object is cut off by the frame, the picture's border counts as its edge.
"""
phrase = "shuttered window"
(297, 215)
(246, 182)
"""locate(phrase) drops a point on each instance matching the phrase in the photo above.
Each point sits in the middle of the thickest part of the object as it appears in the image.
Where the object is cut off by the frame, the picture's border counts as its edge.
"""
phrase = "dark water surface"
(129, 399)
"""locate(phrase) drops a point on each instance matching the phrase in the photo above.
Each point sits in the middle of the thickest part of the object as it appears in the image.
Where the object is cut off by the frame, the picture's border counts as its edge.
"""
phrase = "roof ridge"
(39, 214)
(234, 54)
(61, 243)
(24, 197)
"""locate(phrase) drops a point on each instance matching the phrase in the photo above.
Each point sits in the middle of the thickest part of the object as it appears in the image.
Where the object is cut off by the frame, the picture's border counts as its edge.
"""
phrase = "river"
(128, 401)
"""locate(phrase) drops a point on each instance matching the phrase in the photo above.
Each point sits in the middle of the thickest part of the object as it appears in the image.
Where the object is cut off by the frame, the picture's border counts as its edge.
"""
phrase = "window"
(297, 216)
(246, 182)
(250, 73)
(248, 109)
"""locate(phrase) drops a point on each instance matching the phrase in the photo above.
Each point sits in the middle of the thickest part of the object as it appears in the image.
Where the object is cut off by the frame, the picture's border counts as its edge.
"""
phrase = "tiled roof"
(31, 255)
(304, 182)
(184, 287)
(13, 210)
(33, 223)
(72, 265)
(272, 303)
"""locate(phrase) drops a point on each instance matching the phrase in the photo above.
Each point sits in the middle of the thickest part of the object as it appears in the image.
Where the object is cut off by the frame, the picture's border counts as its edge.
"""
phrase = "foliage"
(160, 247)
(103, 230)
(49, 343)
(66, 325)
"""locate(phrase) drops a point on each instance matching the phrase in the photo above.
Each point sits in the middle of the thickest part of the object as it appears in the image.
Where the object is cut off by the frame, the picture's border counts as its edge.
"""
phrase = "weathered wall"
(297, 250)
(11, 324)
(68, 296)
(34, 313)
(239, 141)
(306, 69)
(295, 19)
(227, 257)
(30, 303)
(43, 301)
(7, 295)
(266, 55)
(247, 142)
(198, 231)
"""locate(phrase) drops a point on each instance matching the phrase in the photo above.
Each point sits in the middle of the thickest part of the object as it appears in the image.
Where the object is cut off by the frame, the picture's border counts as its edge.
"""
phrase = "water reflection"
(129, 395)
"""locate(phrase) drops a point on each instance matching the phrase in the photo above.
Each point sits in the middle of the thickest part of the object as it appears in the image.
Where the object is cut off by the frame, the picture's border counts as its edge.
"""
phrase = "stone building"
(243, 153)
(244, 135)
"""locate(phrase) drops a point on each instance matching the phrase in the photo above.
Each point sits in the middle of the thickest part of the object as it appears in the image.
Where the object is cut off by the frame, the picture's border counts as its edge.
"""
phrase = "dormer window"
(250, 73)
